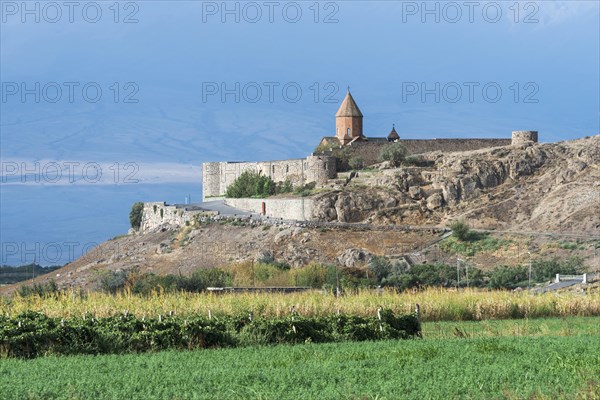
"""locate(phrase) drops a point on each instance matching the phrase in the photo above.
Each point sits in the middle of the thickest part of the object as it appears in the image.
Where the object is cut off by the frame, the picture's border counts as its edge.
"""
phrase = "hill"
(537, 198)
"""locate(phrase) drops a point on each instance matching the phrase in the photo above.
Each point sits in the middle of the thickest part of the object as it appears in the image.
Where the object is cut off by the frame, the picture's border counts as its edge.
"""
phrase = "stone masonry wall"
(289, 209)
(159, 213)
(369, 151)
(217, 176)
(521, 137)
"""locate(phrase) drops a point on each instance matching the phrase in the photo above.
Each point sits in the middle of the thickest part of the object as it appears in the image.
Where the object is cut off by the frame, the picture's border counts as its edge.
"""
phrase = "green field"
(550, 367)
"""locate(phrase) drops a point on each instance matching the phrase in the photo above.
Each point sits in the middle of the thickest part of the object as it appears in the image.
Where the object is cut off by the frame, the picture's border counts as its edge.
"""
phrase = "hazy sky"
(107, 103)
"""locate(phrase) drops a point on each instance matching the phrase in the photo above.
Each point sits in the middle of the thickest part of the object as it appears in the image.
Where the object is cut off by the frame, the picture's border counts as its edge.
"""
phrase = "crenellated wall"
(217, 176)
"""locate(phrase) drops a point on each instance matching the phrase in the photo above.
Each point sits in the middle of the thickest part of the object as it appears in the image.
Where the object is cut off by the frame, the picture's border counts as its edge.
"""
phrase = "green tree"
(135, 215)
(543, 270)
(394, 153)
(381, 267)
(251, 184)
(505, 277)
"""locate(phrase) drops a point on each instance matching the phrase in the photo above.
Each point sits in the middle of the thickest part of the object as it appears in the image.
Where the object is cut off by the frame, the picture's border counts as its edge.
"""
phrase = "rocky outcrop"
(463, 176)
(354, 258)
(502, 186)
(354, 206)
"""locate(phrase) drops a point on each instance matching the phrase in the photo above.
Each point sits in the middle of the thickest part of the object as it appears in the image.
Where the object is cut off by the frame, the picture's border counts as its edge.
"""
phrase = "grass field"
(436, 304)
(482, 368)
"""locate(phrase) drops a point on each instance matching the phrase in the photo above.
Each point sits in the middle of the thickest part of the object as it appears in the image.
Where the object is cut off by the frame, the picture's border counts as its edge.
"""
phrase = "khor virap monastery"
(321, 166)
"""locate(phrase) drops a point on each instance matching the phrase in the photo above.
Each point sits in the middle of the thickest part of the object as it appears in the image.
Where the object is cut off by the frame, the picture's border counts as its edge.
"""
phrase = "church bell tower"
(348, 121)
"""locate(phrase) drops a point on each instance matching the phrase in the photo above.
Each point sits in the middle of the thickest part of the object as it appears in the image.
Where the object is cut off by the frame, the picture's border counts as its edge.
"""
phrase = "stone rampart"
(159, 213)
(369, 150)
(521, 137)
(297, 209)
(217, 176)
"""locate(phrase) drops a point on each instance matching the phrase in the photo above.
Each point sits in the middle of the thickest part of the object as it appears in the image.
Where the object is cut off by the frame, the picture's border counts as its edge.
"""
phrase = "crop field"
(436, 304)
(539, 327)
(482, 368)
(476, 345)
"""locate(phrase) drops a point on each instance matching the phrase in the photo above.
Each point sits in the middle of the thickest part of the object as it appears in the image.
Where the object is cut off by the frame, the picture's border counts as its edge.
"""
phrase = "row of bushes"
(145, 283)
(380, 271)
(34, 334)
(245, 274)
(399, 275)
(10, 274)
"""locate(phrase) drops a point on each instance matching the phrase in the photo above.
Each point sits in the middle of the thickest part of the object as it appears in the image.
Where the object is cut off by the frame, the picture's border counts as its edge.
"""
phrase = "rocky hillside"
(543, 187)
(170, 250)
(548, 188)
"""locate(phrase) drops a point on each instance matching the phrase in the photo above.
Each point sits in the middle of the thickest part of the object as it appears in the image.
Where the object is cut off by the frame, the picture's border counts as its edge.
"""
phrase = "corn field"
(435, 304)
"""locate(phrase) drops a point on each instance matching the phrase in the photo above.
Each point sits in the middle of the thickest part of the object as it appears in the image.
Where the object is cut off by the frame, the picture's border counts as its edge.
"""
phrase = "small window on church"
(287, 169)
(273, 169)
(348, 132)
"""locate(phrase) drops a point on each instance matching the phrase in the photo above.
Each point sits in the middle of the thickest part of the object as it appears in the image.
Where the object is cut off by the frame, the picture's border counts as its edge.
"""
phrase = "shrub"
(315, 275)
(356, 162)
(343, 157)
(305, 190)
(135, 215)
(215, 277)
(460, 230)
(285, 187)
(475, 243)
(113, 281)
(394, 153)
(414, 160)
(38, 289)
(322, 148)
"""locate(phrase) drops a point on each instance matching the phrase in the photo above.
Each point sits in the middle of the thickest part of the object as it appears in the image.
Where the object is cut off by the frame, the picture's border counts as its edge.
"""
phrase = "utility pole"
(337, 282)
(458, 260)
(596, 259)
(529, 285)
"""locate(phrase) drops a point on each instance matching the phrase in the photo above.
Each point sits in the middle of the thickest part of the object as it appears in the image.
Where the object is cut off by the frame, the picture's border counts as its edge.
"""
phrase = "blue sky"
(530, 65)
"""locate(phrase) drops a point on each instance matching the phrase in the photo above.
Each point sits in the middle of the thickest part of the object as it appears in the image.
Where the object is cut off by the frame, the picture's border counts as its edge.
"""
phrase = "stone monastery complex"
(321, 166)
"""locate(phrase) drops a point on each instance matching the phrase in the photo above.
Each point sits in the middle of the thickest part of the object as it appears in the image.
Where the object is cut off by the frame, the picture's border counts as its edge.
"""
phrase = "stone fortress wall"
(217, 176)
(297, 209)
(521, 137)
(369, 150)
(156, 214)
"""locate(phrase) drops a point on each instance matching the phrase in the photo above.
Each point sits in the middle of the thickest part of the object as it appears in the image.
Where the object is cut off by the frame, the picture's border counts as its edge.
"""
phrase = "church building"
(349, 126)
